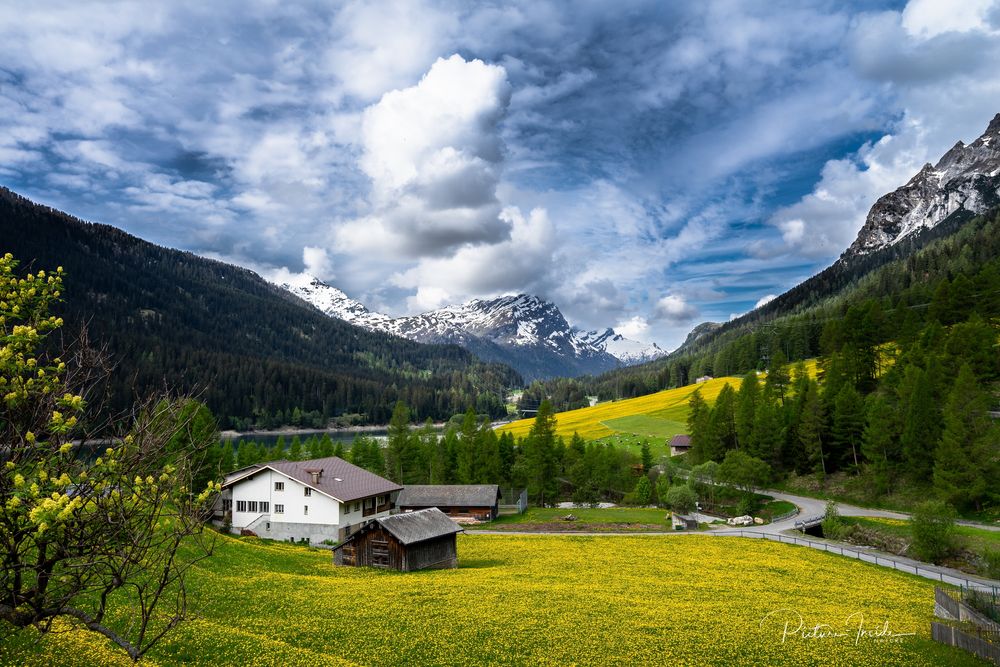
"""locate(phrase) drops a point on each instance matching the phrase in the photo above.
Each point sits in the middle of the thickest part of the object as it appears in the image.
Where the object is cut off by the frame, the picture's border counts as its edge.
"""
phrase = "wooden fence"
(953, 636)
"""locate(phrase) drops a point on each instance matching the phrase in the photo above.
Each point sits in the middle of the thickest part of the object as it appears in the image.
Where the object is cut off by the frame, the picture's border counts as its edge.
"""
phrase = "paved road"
(812, 507)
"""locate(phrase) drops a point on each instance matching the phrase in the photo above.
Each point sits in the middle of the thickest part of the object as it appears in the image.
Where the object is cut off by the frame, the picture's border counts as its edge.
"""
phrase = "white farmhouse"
(317, 500)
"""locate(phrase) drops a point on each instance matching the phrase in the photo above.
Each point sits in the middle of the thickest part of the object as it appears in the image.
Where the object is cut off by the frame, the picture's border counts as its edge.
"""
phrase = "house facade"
(314, 501)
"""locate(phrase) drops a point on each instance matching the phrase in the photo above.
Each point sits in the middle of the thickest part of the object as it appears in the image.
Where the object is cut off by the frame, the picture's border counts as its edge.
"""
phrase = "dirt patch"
(580, 527)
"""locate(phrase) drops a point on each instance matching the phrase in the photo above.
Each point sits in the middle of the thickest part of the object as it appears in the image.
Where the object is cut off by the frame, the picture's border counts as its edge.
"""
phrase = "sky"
(643, 165)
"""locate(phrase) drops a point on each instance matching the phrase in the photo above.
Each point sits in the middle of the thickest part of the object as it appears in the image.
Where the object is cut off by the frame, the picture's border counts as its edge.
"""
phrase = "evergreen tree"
(295, 451)
(465, 461)
(646, 455)
(699, 423)
(540, 455)
(848, 426)
(777, 375)
(768, 434)
(724, 422)
(746, 405)
(921, 430)
(811, 429)
(878, 443)
(959, 471)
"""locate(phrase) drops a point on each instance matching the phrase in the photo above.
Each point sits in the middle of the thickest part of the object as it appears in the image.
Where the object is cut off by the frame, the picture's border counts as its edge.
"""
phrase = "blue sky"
(645, 165)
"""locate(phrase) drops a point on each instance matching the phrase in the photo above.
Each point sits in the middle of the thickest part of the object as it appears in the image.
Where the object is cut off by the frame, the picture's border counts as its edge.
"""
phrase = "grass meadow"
(539, 599)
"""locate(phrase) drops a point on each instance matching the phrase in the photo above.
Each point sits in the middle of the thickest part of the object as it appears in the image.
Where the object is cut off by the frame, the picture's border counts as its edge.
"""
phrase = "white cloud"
(927, 18)
(764, 300)
(636, 328)
(674, 309)
(434, 155)
(519, 263)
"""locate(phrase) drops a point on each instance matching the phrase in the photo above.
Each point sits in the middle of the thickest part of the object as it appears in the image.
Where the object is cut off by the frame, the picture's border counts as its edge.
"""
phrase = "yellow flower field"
(591, 424)
(669, 406)
(666, 600)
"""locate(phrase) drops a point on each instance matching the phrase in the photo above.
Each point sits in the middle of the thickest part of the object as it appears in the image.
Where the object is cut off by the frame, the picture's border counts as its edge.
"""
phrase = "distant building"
(703, 378)
(683, 522)
(459, 501)
(316, 500)
(409, 541)
(680, 444)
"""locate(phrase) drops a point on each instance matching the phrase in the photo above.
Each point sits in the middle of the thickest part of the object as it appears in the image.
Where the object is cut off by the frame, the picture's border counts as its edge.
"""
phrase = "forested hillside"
(904, 279)
(254, 353)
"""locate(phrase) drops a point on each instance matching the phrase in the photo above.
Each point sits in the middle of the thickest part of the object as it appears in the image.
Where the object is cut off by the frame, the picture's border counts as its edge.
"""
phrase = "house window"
(279, 509)
(227, 505)
(279, 486)
(357, 507)
(308, 492)
(305, 510)
(264, 506)
(241, 506)
(252, 505)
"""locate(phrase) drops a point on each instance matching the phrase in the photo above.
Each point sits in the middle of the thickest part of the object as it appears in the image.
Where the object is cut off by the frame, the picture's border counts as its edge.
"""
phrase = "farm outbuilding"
(411, 541)
(459, 501)
(680, 444)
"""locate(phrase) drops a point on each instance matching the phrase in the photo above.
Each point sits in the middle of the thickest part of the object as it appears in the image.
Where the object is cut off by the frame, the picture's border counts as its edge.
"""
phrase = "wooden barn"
(460, 501)
(411, 541)
(680, 444)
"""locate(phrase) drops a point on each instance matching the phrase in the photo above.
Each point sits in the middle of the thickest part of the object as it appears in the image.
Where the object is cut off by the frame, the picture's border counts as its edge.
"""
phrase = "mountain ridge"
(522, 330)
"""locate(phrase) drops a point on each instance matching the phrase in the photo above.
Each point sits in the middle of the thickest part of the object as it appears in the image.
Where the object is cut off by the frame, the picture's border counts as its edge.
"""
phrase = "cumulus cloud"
(518, 263)
(636, 328)
(434, 155)
(764, 300)
(674, 309)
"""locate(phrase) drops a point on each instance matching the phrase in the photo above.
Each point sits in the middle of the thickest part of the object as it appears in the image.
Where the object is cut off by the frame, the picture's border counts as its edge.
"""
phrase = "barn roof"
(412, 527)
(337, 478)
(680, 440)
(449, 495)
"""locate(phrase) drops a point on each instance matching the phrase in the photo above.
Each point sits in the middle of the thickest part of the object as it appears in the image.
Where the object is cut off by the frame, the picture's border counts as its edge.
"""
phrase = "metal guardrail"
(787, 515)
(865, 556)
(811, 522)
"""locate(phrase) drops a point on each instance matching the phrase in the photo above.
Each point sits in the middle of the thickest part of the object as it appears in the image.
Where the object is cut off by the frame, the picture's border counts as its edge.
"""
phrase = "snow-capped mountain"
(627, 351)
(965, 179)
(523, 331)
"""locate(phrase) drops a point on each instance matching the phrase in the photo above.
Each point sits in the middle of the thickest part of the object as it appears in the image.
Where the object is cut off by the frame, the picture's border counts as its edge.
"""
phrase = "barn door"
(380, 553)
(350, 556)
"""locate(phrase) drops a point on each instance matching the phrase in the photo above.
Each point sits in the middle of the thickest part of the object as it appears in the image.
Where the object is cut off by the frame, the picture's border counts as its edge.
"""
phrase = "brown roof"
(449, 495)
(412, 527)
(680, 441)
(339, 479)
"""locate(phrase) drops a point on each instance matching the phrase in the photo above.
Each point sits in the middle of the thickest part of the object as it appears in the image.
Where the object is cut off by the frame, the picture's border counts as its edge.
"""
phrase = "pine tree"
(921, 430)
(848, 426)
(647, 455)
(724, 422)
(811, 429)
(878, 442)
(746, 404)
(465, 464)
(398, 442)
(768, 433)
(777, 375)
(540, 456)
(958, 471)
(295, 451)
(699, 425)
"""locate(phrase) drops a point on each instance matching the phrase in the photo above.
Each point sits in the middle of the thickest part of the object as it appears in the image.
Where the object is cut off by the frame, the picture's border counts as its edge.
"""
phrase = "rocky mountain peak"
(965, 179)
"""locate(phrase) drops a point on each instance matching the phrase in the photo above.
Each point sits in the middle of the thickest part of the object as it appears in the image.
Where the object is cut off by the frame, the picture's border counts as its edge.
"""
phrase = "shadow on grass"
(478, 563)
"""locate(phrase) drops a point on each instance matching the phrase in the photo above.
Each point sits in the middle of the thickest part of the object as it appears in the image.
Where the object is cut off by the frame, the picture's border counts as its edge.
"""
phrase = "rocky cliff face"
(966, 178)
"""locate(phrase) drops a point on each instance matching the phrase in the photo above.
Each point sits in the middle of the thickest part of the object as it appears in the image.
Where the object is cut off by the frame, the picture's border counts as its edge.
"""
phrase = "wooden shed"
(406, 542)
(479, 502)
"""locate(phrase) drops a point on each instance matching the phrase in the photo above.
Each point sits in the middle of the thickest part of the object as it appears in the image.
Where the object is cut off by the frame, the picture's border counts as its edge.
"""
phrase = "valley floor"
(539, 600)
